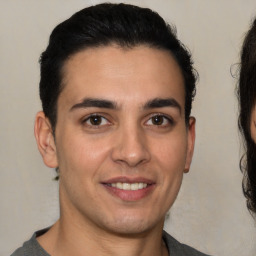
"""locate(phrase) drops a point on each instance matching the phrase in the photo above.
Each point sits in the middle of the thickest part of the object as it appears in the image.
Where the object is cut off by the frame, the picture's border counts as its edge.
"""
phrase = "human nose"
(131, 147)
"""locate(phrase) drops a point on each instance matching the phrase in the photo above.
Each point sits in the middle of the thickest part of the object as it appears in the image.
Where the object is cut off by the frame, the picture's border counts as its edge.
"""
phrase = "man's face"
(121, 140)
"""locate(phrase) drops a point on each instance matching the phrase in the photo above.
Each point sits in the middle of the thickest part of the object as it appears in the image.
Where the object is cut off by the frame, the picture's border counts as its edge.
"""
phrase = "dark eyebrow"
(161, 103)
(92, 102)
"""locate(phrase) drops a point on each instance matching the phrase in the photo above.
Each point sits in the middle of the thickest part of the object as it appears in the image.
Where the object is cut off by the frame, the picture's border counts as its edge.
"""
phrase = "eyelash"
(94, 115)
(165, 117)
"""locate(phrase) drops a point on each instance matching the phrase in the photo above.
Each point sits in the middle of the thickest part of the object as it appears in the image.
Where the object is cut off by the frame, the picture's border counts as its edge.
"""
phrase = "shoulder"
(177, 248)
(31, 247)
(26, 249)
(19, 252)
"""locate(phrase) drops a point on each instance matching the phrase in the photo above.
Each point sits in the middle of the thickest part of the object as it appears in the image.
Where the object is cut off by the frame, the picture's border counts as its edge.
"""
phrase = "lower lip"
(130, 195)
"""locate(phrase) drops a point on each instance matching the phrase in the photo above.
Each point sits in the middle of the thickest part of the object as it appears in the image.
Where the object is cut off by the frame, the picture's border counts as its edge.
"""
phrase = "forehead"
(115, 72)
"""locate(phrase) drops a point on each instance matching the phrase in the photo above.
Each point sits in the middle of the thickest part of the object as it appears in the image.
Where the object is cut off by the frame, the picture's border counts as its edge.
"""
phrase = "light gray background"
(210, 212)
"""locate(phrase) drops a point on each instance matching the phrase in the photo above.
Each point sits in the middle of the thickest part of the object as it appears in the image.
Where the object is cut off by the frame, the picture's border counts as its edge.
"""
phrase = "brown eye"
(95, 120)
(160, 120)
(157, 120)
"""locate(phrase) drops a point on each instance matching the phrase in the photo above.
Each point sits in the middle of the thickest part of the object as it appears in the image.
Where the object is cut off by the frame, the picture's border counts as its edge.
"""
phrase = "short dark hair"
(102, 25)
(247, 101)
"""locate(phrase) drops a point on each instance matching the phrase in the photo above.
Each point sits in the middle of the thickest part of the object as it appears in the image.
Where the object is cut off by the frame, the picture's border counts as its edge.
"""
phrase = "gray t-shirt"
(33, 248)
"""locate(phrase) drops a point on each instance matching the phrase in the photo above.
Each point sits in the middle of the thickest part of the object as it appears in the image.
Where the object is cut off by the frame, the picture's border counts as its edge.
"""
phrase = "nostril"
(132, 161)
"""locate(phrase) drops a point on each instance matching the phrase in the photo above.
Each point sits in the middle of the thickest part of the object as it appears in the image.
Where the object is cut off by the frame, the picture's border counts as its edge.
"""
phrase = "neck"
(69, 238)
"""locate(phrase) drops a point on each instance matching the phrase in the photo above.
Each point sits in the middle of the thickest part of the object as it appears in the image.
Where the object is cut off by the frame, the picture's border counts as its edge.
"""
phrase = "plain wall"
(210, 212)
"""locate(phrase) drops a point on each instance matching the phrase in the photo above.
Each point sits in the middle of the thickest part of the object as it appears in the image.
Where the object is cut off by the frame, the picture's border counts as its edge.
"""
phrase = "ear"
(190, 143)
(45, 140)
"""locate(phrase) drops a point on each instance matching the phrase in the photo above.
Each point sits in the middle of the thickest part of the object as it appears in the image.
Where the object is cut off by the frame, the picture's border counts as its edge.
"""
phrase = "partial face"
(121, 142)
(253, 124)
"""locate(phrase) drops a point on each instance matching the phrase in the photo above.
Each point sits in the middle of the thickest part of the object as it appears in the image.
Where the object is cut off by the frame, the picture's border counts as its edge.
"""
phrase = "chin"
(131, 225)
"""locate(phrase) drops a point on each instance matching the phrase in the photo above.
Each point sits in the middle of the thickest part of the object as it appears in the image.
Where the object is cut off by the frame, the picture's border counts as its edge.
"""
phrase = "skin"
(138, 98)
(253, 124)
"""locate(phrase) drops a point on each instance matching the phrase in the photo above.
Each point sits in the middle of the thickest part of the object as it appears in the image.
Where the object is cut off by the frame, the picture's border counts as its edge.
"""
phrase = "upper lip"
(124, 179)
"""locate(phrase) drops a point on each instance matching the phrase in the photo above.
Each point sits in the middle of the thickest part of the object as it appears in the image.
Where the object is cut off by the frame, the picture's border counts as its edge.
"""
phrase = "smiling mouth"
(128, 186)
(129, 189)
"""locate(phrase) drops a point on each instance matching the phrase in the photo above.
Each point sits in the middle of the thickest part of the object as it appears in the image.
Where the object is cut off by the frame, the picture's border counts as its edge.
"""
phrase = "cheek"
(171, 160)
(171, 157)
(80, 165)
(172, 153)
(81, 154)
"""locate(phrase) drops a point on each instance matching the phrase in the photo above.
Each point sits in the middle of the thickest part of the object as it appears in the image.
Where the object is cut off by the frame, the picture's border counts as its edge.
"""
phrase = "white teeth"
(119, 185)
(129, 186)
(126, 186)
(134, 186)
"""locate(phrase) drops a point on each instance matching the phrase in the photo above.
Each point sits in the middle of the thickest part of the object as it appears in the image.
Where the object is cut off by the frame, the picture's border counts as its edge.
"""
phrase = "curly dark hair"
(247, 101)
(103, 25)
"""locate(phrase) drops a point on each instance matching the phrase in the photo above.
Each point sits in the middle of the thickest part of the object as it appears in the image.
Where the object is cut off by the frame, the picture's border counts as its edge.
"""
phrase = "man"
(116, 88)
